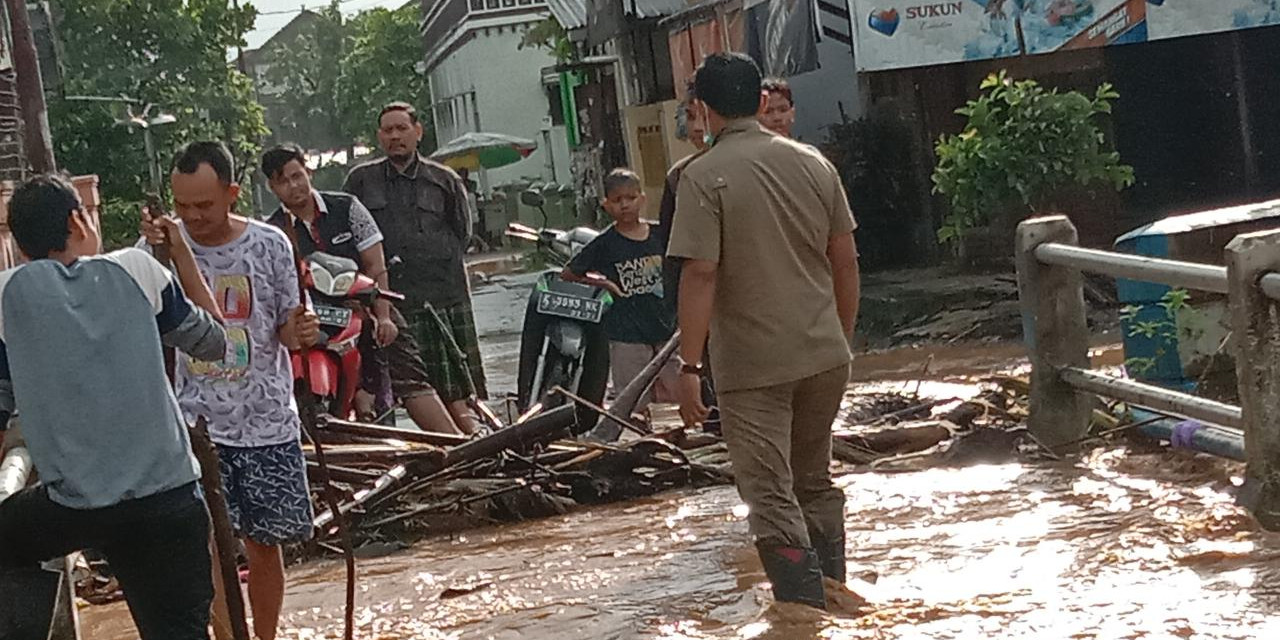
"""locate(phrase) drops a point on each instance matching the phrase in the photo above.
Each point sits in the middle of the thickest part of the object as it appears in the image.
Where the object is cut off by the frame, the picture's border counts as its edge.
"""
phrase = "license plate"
(333, 316)
(571, 307)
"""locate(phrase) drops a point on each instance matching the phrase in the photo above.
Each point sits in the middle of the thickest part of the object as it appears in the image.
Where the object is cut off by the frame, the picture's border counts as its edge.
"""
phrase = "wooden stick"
(379, 433)
(337, 512)
(307, 413)
(344, 474)
(629, 398)
(537, 429)
(162, 253)
(455, 502)
(224, 537)
(620, 421)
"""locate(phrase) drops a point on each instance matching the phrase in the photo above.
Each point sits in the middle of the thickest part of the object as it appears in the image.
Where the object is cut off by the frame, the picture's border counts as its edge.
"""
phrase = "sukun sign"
(895, 34)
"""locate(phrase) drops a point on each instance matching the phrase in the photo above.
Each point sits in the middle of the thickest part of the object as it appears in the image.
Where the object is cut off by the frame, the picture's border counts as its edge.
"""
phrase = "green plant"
(1022, 145)
(119, 221)
(381, 67)
(172, 53)
(550, 35)
(1163, 330)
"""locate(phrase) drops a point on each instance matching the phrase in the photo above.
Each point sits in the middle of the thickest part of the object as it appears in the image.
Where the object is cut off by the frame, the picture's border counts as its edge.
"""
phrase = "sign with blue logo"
(894, 34)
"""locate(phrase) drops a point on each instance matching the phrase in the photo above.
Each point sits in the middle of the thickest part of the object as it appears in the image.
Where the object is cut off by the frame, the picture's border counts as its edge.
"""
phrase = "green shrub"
(1021, 146)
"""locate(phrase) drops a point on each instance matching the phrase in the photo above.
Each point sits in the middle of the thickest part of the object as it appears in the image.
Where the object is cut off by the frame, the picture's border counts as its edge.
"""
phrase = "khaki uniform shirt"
(764, 209)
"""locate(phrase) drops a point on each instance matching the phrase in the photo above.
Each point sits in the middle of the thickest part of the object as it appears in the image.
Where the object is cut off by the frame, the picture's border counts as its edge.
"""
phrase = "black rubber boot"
(795, 573)
(830, 556)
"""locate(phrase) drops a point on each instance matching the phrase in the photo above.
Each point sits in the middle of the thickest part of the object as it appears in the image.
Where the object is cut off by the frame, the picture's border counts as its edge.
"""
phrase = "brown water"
(1117, 545)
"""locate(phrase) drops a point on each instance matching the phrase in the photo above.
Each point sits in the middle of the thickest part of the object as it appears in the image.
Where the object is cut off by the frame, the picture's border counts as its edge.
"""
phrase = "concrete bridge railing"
(1063, 388)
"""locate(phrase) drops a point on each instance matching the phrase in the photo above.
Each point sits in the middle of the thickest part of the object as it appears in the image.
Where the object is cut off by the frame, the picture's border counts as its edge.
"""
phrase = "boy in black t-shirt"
(627, 260)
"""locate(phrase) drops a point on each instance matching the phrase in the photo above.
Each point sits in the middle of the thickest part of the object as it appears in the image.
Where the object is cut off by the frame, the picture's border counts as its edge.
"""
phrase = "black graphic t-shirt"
(640, 316)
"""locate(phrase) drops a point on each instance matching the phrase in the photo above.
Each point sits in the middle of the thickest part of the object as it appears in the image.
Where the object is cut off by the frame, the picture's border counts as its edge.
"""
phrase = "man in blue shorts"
(80, 352)
(247, 394)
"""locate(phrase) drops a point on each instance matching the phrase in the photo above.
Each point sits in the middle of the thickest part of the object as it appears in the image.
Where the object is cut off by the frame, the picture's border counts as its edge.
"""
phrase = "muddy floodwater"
(1119, 544)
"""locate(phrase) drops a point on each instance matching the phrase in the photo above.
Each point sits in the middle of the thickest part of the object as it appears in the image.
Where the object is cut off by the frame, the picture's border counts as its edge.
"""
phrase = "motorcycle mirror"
(531, 198)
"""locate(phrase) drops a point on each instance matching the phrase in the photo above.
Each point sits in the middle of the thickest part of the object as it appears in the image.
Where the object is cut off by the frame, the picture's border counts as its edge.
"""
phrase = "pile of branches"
(398, 486)
(990, 428)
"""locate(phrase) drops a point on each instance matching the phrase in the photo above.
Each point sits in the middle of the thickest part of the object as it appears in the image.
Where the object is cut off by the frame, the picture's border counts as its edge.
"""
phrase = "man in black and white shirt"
(339, 225)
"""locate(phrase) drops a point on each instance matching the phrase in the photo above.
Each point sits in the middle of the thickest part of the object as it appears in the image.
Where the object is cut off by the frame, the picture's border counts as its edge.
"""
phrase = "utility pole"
(37, 139)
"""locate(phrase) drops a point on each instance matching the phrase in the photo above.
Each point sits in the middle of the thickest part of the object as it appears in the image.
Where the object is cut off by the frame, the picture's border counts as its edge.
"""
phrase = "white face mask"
(708, 139)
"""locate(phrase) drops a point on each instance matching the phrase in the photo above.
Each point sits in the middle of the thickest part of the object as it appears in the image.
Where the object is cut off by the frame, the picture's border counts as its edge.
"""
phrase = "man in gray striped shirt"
(81, 361)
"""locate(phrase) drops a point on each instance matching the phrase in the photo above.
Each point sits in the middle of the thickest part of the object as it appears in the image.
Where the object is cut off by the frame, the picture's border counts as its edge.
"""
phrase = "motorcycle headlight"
(322, 280)
(327, 284)
(342, 285)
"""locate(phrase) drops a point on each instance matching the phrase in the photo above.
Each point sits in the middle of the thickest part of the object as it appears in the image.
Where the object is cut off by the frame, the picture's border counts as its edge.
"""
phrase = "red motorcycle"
(342, 299)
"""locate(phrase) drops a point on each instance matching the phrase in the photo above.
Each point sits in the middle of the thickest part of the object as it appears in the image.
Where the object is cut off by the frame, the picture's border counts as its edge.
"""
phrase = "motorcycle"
(342, 299)
(562, 342)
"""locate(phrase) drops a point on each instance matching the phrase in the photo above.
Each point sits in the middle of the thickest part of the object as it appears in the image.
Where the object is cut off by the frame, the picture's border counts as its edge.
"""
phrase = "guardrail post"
(1057, 333)
(1255, 324)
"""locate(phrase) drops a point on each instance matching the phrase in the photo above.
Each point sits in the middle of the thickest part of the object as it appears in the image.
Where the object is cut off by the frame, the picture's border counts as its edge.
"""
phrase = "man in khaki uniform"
(765, 230)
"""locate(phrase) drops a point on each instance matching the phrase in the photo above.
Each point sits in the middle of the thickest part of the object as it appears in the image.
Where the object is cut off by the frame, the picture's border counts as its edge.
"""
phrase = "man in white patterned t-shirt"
(247, 395)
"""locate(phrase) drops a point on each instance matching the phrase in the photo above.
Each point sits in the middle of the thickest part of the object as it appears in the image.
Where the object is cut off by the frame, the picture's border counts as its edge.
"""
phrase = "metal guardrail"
(1189, 275)
(1063, 389)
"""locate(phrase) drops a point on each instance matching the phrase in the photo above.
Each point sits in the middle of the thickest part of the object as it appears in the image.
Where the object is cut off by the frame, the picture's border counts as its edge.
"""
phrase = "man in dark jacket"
(338, 224)
(421, 207)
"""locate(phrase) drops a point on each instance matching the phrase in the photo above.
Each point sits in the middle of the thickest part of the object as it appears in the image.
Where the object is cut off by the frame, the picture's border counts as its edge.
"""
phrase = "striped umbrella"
(474, 151)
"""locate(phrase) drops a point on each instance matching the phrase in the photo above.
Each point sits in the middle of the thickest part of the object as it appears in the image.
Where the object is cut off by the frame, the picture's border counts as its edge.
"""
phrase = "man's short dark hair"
(619, 179)
(38, 215)
(210, 152)
(729, 83)
(399, 106)
(780, 87)
(275, 158)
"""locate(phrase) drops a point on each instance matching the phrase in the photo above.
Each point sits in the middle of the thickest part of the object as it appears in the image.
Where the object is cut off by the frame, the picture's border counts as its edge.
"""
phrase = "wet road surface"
(1117, 545)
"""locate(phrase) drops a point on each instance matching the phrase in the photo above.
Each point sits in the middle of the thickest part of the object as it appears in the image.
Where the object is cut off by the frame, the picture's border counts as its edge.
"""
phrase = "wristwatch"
(691, 369)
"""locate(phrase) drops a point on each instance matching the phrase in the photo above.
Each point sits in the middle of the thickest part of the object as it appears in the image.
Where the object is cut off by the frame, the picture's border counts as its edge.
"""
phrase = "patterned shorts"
(267, 495)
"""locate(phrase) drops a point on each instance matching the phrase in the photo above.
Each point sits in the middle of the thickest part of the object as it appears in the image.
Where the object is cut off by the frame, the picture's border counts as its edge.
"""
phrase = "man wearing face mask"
(695, 132)
(771, 275)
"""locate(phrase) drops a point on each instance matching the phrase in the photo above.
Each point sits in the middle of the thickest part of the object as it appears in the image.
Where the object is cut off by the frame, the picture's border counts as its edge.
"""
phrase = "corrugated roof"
(657, 8)
(572, 14)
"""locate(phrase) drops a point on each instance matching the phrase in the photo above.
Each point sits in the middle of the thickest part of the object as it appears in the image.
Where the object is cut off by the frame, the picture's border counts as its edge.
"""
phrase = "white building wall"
(491, 77)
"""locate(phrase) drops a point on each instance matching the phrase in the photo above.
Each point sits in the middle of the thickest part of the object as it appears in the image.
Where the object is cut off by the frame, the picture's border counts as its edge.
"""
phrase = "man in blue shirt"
(81, 361)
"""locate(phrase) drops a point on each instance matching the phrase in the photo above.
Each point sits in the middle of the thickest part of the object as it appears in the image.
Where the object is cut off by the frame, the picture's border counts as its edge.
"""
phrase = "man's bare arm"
(163, 229)
(842, 252)
(697, 298)
(374, 263)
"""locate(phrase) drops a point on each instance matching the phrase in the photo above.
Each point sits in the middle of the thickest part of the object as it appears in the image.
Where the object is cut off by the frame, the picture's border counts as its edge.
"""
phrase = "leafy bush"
(1021, 146)
(119, 220)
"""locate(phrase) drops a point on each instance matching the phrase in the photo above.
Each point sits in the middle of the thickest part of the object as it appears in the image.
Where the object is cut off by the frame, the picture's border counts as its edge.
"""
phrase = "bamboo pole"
(224, 537)
(37, 140)
(307, 414)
